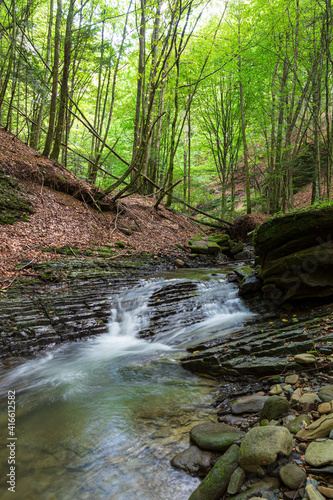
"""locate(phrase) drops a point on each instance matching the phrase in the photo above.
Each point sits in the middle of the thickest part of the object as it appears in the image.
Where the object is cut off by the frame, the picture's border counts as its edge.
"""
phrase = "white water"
(101, 418)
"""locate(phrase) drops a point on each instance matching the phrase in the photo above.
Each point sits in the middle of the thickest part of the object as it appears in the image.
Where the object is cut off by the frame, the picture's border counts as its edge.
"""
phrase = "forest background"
(181, 100)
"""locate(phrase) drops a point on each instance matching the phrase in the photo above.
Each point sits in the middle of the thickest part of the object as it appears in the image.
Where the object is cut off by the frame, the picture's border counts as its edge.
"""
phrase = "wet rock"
(275, 390)
(326, 393)
(274, 407)
(266, 484)
(215, 437)
(313, 493)
(236, 481)
(179, 263)
(194, 461)
(305, 359)
(292, 379)
(299, 423)
(249, 404)
(292, 476)
(320, 453)
(261, 447)
(318, 429)
(249, 285)
(216, 482)
(327, 492)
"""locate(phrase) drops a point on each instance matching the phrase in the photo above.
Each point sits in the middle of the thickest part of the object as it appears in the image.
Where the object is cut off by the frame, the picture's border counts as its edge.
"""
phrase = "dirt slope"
(60, 220)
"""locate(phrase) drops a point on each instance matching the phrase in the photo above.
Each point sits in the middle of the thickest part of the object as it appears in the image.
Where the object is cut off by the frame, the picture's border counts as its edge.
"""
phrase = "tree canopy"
(181, 100)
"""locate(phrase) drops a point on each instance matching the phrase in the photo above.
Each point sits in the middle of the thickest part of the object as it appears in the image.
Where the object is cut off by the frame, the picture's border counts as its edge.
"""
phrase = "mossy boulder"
(216, 437)
(205, 247)
(296, 254)
(13, 205)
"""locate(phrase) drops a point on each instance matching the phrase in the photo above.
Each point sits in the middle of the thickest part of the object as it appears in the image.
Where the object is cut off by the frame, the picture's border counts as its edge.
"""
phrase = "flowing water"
(101, 418)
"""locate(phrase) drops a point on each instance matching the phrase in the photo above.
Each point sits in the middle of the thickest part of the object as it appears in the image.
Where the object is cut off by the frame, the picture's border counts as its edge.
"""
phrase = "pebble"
(292, 476)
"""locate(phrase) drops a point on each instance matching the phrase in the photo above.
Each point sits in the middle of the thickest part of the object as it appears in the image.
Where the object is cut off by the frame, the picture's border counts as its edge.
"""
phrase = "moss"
(13, 206)
(120, 244)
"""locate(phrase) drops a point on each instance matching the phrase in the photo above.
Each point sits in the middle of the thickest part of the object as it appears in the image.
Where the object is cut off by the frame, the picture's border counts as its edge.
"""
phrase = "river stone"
(216, 437)
(243, 255)
(305, 359)
(249, 404)
(313, 493)
(318, 429)
(275, 390)
(262, 445)
(236, 481)
(216, 481)
(326, 393)
(292, 379)
(308, 397)
(296, 396)
(292, 476)
(325, 408)
(274, 406)
(319, 453)
(299, 423)
(327, 492)
(266, 484)
(194, 461)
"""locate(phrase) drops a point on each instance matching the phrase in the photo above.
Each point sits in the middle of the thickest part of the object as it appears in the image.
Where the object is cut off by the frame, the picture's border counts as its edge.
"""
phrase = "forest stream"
(101, 418)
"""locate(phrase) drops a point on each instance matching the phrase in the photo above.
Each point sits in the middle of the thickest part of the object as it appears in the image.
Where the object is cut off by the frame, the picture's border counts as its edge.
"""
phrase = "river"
(101, 418)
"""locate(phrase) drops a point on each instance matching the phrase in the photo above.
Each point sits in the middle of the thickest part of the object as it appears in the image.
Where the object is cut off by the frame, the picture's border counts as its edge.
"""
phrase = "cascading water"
(102, 418)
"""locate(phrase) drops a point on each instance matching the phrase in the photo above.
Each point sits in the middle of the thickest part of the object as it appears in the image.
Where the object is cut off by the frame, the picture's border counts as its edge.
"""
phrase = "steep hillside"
(57, 224)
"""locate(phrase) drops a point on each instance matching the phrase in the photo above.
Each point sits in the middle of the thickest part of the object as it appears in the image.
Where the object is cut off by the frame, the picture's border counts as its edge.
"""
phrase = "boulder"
(320, 428)
(217, 480)
(274, 407)
(216, 437)
(319, 453)
(262, 445)
(194, 461)
(296, 254)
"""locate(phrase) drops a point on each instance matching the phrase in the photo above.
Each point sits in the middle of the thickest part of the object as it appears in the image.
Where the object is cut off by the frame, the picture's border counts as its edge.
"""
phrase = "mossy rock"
(223, 240)
(196, 238)
(13, 205)
(205, 247)
(293, 232)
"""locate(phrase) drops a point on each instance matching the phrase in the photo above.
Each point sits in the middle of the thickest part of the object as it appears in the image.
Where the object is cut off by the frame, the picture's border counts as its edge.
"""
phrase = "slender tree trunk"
(64, 83)
(55, 78)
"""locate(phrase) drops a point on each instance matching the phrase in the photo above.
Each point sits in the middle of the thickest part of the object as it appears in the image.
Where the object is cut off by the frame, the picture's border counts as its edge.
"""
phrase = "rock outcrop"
(296, 254)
